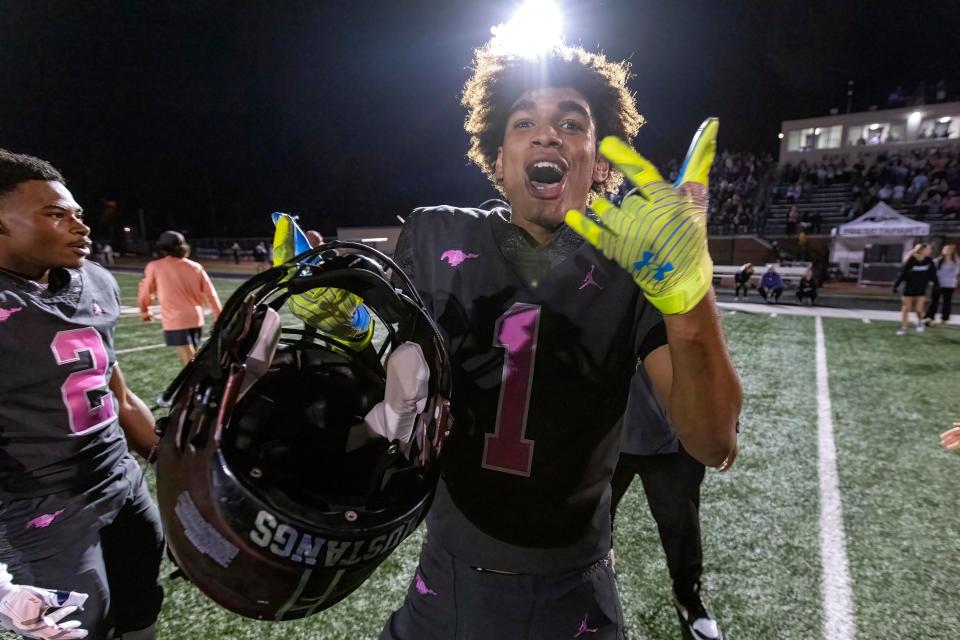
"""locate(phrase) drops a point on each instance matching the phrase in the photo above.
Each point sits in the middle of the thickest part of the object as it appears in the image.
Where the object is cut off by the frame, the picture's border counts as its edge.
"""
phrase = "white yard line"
(865, 320)
(814, 311)
(143, 348)
(838, 621)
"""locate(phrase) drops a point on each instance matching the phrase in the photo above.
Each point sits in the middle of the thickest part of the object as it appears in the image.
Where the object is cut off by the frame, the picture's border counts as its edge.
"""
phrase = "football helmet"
(268, 503)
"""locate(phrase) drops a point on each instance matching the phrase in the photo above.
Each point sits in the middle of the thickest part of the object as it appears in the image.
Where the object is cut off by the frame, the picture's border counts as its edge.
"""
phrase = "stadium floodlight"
(944, 120)
(535, 28)
(780, 136)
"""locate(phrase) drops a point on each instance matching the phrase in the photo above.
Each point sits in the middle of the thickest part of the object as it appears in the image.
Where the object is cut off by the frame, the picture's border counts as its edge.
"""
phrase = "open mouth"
(546, 178)
(81, 248)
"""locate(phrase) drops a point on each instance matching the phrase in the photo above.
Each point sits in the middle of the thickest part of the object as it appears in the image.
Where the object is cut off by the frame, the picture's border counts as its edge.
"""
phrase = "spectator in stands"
(807, 288)
(816, 222)
(917, 186)
(918, 272)
(950, 439)
(951, 205)
(898, 193)
(771, 285)
(885, 193)
(741, 279)
(948, 268)
(793, 218)
(931, 202)
(182, 287)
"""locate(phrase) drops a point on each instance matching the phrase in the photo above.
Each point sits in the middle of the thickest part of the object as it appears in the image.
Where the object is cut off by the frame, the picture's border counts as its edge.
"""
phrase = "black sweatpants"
(672, 484)
(940, 293)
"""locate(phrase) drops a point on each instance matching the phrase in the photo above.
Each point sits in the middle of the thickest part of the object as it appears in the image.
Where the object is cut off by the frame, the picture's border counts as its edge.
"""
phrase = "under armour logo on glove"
(659, 232)
(660, 271)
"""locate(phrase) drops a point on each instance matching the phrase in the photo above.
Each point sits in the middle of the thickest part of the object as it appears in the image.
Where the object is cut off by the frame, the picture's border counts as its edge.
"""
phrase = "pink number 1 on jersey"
(506, 449)
(66, 347)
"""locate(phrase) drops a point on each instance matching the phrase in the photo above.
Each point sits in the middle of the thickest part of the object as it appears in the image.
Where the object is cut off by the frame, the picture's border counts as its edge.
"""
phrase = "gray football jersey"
(58, 418)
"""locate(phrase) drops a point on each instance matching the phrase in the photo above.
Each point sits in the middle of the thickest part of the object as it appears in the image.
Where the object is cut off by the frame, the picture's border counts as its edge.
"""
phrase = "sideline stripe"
(838, 622)
(144, 348)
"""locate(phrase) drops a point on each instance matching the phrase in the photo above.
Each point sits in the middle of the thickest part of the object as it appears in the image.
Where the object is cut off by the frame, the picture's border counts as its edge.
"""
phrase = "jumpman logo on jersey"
(456, 257)
(661, 270)
(6, 313)
(584, 628)
(422, 587)
(588, 279)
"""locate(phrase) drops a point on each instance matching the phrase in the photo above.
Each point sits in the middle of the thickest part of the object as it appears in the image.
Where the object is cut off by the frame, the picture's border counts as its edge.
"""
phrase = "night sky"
(209, 115)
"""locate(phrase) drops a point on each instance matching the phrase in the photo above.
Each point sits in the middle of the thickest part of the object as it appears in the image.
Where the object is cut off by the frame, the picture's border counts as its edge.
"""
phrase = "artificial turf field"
(891, 397)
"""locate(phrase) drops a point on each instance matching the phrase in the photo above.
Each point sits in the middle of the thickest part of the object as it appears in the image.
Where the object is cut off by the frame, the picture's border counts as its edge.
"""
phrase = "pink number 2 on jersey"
(506, 449)
(67, 346)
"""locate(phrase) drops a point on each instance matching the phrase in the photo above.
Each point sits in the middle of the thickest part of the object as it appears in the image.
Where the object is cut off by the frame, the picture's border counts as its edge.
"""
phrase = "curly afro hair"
(498, 79)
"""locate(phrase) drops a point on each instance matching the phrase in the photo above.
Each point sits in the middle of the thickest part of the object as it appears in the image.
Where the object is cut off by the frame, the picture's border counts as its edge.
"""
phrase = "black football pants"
(672, 484)
(106, 543)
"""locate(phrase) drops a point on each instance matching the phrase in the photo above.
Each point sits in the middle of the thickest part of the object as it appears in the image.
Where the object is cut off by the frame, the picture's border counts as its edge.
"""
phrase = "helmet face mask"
(266, 505)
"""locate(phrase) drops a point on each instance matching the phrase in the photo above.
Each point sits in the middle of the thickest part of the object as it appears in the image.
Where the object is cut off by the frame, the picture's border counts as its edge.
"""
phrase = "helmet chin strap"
(258, 359)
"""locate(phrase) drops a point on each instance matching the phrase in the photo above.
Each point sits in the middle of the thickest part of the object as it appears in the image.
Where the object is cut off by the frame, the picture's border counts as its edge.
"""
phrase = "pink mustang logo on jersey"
(588, 280)
(422, 587)
(44, 521)
(456, 257)
(6, 313)
(584, 628)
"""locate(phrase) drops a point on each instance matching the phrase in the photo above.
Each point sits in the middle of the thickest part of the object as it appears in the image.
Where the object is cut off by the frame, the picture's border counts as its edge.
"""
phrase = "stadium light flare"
(780, 136)
(944, 120)
(535, 28)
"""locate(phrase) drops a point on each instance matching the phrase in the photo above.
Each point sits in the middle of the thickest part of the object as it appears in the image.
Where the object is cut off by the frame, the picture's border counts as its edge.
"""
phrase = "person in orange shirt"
(182, 287)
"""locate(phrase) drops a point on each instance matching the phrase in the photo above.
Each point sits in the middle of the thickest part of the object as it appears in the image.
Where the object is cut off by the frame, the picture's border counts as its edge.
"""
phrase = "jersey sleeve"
(403, 254)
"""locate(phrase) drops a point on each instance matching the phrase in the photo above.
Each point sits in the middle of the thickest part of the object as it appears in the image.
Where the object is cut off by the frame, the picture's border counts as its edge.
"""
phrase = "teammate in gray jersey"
(76, 519)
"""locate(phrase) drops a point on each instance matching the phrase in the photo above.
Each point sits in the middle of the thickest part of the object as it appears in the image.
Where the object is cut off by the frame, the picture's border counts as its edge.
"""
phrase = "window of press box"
(812, 138)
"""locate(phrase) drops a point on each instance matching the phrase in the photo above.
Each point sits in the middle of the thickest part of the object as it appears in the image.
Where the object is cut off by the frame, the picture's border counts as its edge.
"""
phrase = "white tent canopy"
(883, 221)
(882, 225)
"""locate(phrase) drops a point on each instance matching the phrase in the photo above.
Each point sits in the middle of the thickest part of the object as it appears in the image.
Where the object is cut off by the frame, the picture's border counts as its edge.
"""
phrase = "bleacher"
(827, 200)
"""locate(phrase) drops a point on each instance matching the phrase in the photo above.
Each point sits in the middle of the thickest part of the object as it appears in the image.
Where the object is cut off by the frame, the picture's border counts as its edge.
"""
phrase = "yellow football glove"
(658, 234)
(334, 312)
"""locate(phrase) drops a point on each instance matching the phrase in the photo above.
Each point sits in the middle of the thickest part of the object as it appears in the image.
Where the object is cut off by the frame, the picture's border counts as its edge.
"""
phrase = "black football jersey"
(58, 418)
(541, 372)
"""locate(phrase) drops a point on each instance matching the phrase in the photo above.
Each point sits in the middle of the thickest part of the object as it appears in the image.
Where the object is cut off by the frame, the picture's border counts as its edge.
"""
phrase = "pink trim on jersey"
(182, 287)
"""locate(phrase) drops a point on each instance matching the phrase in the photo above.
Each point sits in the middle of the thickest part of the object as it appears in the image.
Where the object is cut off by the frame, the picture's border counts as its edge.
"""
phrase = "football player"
(78, 527)
(545, 314)
(671, 480)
